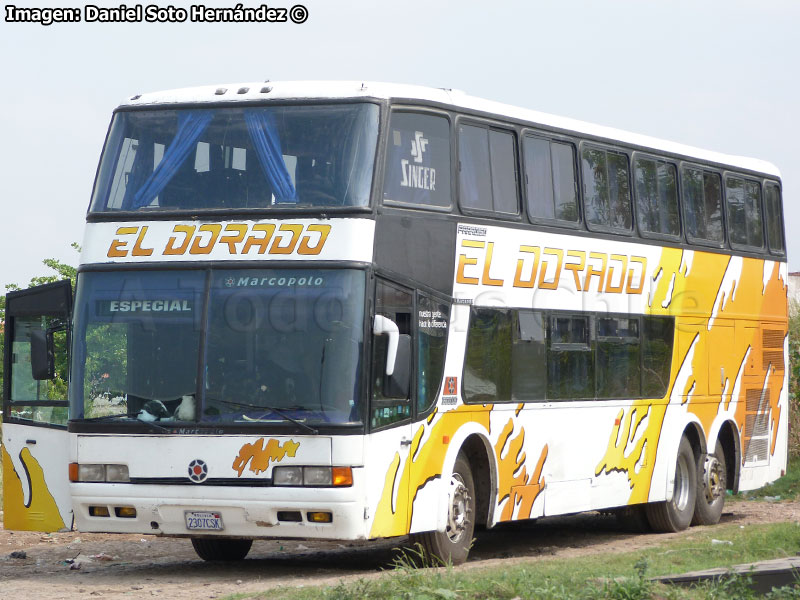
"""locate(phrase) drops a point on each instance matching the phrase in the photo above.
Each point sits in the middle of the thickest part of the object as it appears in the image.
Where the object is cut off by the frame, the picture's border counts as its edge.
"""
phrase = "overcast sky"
(719, 74)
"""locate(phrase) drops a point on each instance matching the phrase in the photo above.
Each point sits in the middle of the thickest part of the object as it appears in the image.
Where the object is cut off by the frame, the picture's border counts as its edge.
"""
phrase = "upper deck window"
(656, 198)
(238, 158)
(550, 179)
(744, 213)
(772, 196)
(702, 205)
(606, 190)
(487, 167)
(418, 160)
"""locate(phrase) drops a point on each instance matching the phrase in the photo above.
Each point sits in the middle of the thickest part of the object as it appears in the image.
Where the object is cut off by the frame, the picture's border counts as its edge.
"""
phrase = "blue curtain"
(191, 124)
(263, 132)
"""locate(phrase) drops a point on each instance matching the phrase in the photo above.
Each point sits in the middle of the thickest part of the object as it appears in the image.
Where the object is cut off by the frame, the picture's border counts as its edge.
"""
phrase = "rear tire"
(453, 544)
(676, 514)
(712, 481)
(221, 548)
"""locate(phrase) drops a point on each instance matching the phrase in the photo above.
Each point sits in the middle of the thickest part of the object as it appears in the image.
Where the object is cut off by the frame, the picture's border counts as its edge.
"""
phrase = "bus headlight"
(99, 473)
(287, 476)
(316, 475)
(313, 476)
(91, 473)
(117, 473)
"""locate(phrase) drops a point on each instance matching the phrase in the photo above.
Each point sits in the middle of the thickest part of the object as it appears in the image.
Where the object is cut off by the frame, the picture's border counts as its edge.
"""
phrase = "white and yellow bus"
(357, 311)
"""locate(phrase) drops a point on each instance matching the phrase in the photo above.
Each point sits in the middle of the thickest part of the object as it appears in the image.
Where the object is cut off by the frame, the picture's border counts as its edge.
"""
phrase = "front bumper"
(250, 512)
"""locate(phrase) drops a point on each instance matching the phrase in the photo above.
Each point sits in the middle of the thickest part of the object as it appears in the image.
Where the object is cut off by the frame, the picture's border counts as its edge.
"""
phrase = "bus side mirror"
(397, 385)
(43, 364)
(397, 379)
(385, 326)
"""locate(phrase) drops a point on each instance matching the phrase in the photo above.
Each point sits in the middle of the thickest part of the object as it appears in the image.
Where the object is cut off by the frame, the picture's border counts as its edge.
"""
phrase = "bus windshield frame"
(223, 348)
(245, 158)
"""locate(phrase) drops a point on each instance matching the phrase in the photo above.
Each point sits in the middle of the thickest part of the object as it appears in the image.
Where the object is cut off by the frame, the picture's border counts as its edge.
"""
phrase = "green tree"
(794, 379)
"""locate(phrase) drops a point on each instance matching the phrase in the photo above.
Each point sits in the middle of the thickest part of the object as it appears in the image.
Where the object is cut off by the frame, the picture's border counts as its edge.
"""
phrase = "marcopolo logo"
(416, 175)
(198, 470)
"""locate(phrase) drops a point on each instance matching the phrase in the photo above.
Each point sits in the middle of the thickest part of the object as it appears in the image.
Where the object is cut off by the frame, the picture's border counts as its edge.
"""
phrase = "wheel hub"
(458, 517)
(713, 478)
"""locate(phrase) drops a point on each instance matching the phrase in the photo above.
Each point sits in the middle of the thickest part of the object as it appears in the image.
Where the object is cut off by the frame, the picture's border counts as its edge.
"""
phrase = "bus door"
(35, 449)
(391, 407)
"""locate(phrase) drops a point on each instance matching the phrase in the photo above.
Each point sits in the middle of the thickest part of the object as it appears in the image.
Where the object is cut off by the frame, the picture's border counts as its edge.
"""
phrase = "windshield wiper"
(125, 415)
(273, 409)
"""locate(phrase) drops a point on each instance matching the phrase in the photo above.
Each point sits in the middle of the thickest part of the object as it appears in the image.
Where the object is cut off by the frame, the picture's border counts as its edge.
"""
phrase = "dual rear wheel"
(698, 493)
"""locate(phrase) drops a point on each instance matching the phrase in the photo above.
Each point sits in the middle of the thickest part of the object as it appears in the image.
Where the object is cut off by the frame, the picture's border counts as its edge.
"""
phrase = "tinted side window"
(418, 160)
(530, 355)
(504, 172)
(433, 319)
(550, 179)
(487, 169)
(772, 198)
(657, 337)
(487, 364)
(474, 176)
(618, 360)
(744, 212)
(656, 197)
(606, 189)
(528, 362)
(702, 205)
(570, 358)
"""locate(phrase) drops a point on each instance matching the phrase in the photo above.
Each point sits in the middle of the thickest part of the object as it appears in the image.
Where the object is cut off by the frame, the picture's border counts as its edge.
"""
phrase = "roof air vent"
(243, 90)
(220, 91)
(266, 89)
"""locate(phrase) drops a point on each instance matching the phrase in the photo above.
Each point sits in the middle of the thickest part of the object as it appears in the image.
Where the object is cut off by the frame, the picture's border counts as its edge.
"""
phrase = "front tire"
(712, 478)
(676, 514)
(221, 548)
(452, 545)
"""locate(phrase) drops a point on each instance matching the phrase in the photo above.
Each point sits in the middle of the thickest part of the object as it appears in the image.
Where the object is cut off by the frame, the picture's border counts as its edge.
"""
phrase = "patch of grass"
(624, 576)
(787, 487)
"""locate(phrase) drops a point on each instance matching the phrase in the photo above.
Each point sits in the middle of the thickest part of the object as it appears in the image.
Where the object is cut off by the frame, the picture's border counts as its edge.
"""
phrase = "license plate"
(204, 521)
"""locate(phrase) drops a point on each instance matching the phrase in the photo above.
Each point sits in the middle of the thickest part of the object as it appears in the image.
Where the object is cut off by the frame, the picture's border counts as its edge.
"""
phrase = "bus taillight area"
(231, 511)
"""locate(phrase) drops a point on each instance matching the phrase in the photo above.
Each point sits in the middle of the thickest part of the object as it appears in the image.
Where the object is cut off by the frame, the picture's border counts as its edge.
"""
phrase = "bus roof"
(322, 90)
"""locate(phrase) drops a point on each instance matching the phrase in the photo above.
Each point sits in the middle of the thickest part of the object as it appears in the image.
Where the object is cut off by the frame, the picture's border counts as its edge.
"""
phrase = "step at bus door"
(35, 449)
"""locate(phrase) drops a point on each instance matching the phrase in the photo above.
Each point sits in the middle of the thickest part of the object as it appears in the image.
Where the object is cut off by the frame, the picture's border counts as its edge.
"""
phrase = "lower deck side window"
(527, 355)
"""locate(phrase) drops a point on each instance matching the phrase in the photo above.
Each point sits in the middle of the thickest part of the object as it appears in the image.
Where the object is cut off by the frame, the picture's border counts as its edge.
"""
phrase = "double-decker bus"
(358, 311)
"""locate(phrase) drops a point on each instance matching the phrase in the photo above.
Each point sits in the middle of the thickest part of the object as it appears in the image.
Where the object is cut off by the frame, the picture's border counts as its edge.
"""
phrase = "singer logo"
(414, 176)
(418, 146)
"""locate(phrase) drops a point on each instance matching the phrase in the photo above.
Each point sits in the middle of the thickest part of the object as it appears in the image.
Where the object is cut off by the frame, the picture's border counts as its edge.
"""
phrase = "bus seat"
(315, 182)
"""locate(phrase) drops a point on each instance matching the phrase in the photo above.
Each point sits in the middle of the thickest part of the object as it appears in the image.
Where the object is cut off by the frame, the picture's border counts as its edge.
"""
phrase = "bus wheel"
(452, 545)
(221, 549)
(713, 481)
(676, 515)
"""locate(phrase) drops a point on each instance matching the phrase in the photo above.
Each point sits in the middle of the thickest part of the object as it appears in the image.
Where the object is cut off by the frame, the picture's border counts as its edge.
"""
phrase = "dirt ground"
(80, 565)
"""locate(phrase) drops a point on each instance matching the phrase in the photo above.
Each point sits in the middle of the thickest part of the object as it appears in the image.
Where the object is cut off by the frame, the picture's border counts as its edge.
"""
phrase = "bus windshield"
(238, 158)
(218, 346)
